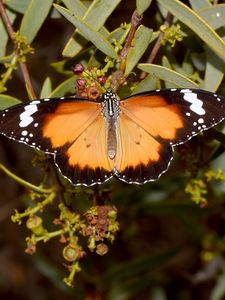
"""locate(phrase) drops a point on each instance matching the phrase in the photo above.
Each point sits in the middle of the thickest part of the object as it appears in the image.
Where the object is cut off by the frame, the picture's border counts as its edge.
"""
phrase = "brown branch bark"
(157, 45)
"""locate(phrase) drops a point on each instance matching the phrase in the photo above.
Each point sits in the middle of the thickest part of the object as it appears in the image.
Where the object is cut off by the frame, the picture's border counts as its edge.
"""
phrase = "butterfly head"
(110, 104)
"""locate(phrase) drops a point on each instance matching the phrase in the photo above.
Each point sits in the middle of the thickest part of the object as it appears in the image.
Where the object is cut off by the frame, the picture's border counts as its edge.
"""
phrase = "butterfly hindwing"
(140, 157)
(86, 161)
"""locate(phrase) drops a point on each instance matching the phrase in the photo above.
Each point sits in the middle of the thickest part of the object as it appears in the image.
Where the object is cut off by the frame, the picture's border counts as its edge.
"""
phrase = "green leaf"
(197, 4)
(196, 23)
(99, 11)
(166, 74)
(96, 15)
(46, 88)
(218, 290)
(7, 101)
(142, 6)
(214, 72)
(34, 17)
(76, 6)
(213, 15)
(139, 44)
(119, 34)
(75, 44)
(18, 6)
(88, 32)
(151, 82)
(68, 86)
(167, 64)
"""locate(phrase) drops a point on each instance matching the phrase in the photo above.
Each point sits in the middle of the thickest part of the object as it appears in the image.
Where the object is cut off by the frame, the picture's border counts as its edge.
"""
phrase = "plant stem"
(157, 45)
(25, 183)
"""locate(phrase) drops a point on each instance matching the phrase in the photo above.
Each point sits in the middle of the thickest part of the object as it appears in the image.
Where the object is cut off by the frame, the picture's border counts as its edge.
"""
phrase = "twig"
(118, 76)
(135, 22)
(25, 183)
(157, 45)
(11, 33)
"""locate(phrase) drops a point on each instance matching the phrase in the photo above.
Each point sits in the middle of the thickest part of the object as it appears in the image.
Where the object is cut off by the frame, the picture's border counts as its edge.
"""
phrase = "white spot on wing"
(25, 117)
(24, 133)
(196, 104)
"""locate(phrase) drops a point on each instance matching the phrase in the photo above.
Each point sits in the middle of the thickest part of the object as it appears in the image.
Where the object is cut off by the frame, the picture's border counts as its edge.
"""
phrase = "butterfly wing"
(86, 161)
(140, 157)
(175, 115)
(151, 123)
(70, 129)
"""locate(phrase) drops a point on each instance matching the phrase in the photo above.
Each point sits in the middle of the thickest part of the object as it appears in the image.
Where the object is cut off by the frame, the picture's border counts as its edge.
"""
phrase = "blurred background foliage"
(171, 242)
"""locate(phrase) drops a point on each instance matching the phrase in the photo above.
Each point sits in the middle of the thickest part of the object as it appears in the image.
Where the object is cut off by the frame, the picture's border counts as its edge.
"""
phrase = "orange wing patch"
(68, 121)
(140, 157)
(154, 115)
(86, 160)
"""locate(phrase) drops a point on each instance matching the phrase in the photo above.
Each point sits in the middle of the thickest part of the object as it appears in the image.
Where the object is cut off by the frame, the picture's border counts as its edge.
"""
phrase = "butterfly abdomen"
(111, 112)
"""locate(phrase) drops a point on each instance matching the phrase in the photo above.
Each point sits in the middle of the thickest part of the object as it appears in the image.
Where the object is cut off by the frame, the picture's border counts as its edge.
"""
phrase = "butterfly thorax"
(110, 109)
(110, 105)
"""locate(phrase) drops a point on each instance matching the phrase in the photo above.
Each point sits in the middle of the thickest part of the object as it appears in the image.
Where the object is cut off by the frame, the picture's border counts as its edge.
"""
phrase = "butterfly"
(132, 139)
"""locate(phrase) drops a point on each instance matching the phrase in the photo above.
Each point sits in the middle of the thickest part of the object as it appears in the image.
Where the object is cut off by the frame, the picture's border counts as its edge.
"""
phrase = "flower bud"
(34, 223)
(71, 252)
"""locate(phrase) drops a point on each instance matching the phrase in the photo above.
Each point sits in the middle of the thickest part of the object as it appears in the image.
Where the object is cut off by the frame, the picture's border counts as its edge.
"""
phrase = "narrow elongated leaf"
(96, 15)
(88, 32)
(214, 72)
(7, 101)
(34, 17)
(163, 73)
(218, 291)
(196, 23)
(142, 5)
(19, 6)
(151, 82)
(139, 44)
(46, 88)
(197, 4)
(76, 6)
(213, 15)
(99, 11)
(65, 87)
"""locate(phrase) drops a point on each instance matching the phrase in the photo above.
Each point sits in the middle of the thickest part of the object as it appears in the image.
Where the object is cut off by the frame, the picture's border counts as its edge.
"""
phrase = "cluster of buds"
(89, 83)
(100, 226)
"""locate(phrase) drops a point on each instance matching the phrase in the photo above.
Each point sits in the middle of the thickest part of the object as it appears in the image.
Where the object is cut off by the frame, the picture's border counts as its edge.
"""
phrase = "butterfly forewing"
(175, 115)
(48, 124)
